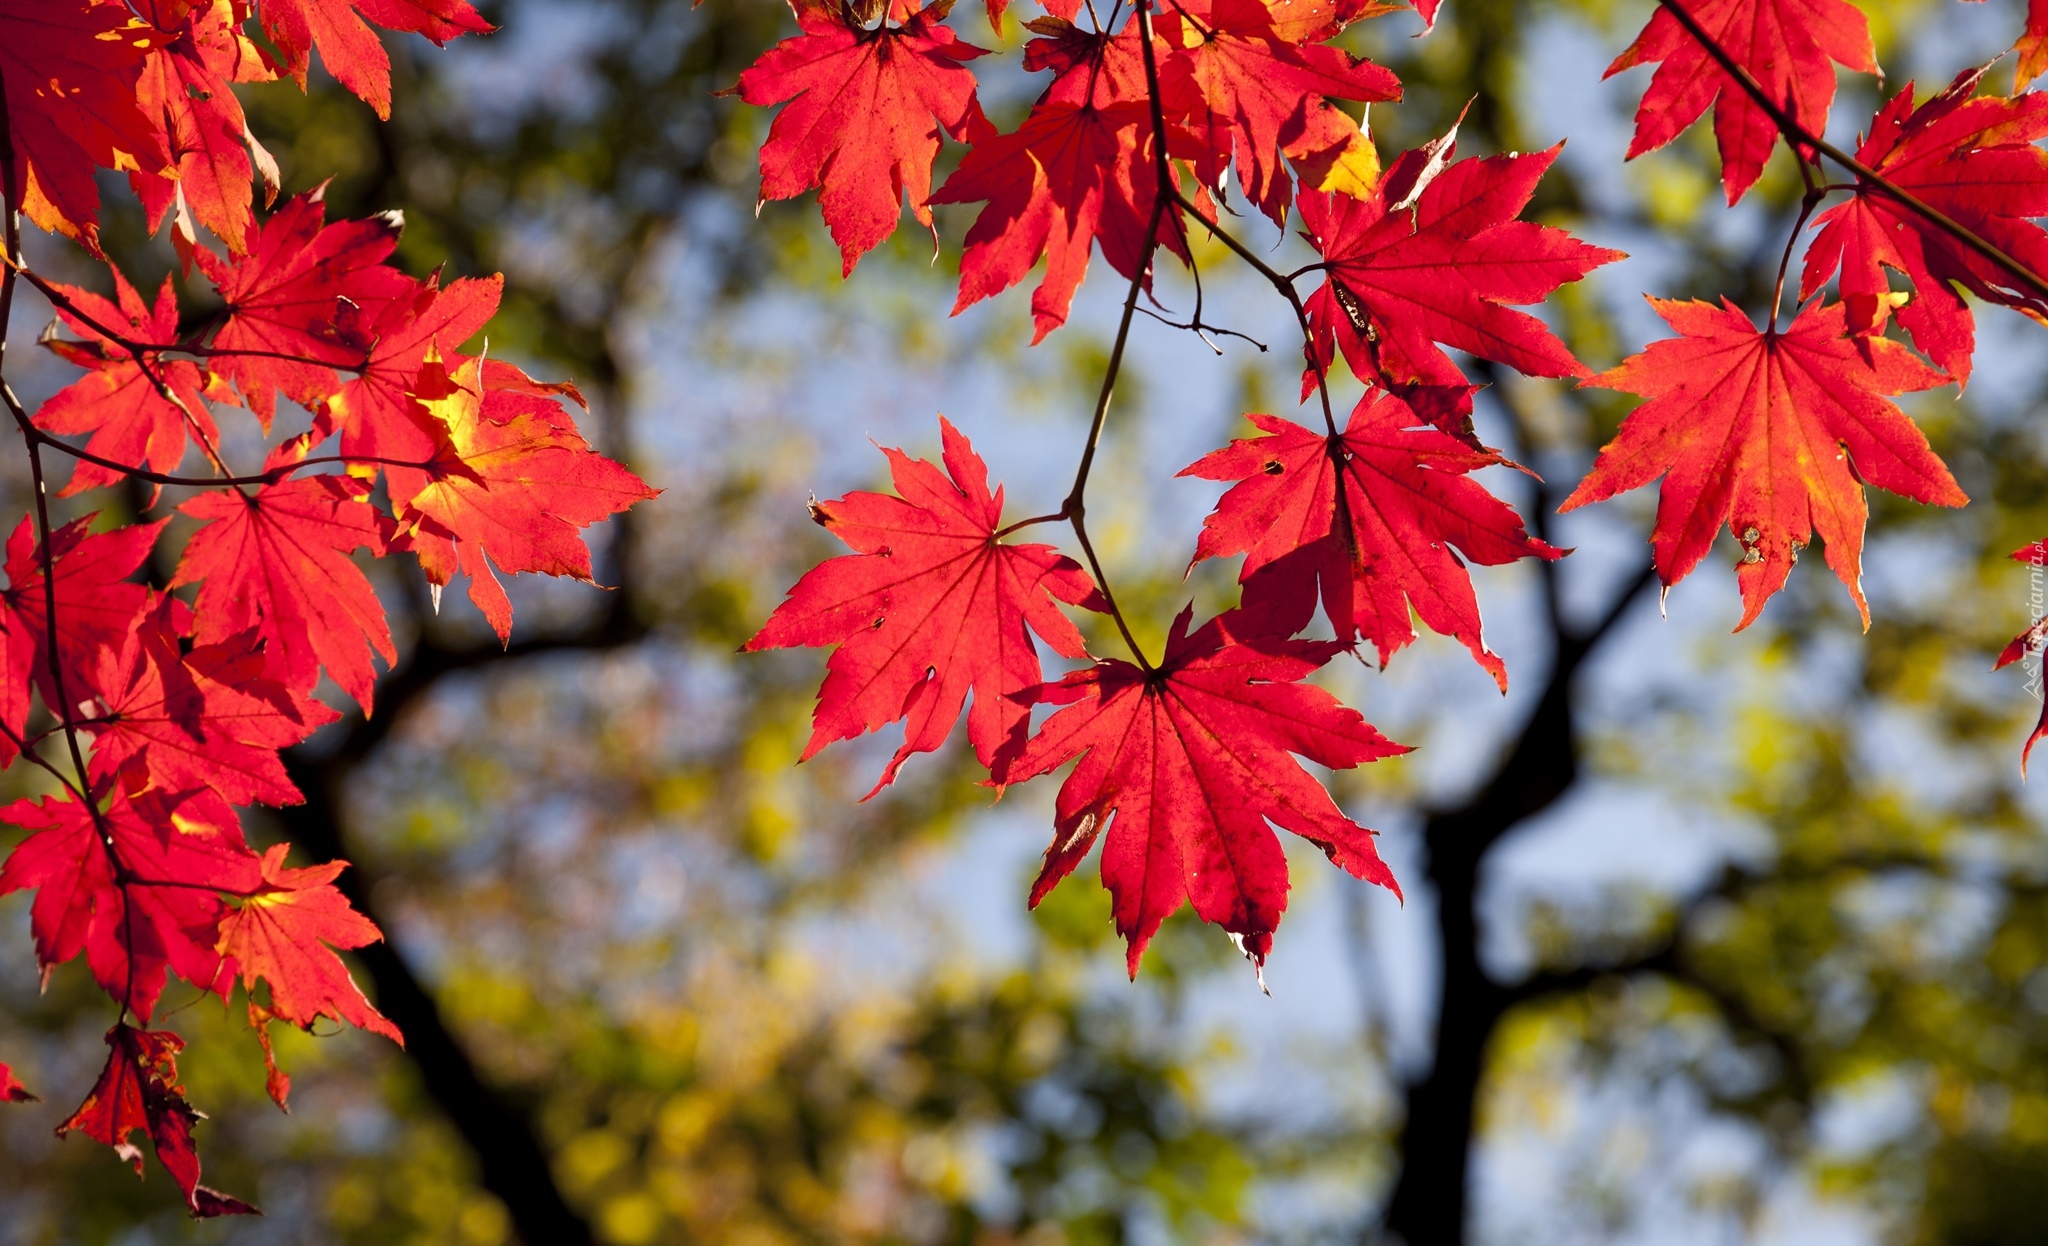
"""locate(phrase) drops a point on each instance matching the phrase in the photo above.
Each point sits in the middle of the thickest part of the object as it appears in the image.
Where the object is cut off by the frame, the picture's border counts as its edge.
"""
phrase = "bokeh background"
(1709, 938)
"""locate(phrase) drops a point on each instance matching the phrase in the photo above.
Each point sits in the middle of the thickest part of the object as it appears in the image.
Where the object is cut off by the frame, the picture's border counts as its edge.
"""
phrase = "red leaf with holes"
(1186, 769)
(122, 400)
(297, 302)
(1973, 159)
(1382, 544)
(1435, 256)
(1251, 94)
(348, 47)
(510, 483)
(932, 606)
(138, 1089)
(1772, 434)
(71, 70)
(185, 721)
(186, 89)
(277, 560)
(1791, 48)
(156, 912)
(284, 934)
(864, 111)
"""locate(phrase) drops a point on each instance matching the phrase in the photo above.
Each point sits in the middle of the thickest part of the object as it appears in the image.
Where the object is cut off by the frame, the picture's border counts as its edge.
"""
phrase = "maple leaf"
(138, 1089)
(348, 47)
(379, 419)
(1773, 434)
(11, 1090)
(95, 601)
(205, 719)
(1090, 67)
(70, 70)
(1973, 159)
(282, 330)
(186, 88)
(2034, 555)
(1252, 94)
(154, 913)
(131, 418)
(284, 934)
(930, 607)
(277, 560)
(1432, 256)
(1183, 768)
(1381, 545)
(1786, 45)
(1072, 175)
(510, 483)
(865, 108)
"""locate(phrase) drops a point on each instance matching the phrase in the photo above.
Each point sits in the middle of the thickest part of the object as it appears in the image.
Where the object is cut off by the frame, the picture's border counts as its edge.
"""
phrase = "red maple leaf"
(348, 47)
(284, 934)
(186, 89)
(931, 607)
(70, 69)
(1771, 433)
(1072, 175)
(510, 482)
(1975, 160)
(209, 718)
(95, 601)
(379, 419)
(1385, 543)
(1185, 766)
(1432, 256)
(1089, 66)
(1786, 45)
(865, 107)
(138, 1089)
(288, 297)
(1249, 93)
(156, 912)
(11, 1090)
(122, 400)
(277, 560)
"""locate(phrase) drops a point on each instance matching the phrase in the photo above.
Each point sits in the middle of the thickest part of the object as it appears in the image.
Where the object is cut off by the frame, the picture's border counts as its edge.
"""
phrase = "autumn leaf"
(282, 330)
(71, 70)
(1071, 176)
(285, 933)
(138, 1089)
(1253, 94)
(379, 419)
(865, 106)
(509, 481)
(1972, 159)
(154, 912)
(931, 606)
(1772, 434)
(1382, 545)
(209, 718)
(1435, 255)
(348, 47)
(187, 90)
(95, 600)
(1789, 46)
(1182, 770)
(140, 408)
(277, 560)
